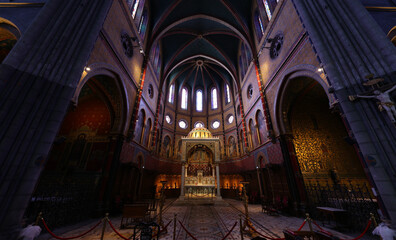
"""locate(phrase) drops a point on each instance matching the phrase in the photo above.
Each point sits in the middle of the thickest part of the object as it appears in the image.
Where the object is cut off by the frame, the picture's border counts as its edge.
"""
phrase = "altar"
(200, 168)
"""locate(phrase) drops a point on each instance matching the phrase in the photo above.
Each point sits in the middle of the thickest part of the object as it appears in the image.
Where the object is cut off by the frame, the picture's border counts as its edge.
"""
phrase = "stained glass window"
(171, 93)
(199, 100)
(267, 10)
(184, 98)
(135, 8)
(215, 124)
(214, 98)
(228, 96)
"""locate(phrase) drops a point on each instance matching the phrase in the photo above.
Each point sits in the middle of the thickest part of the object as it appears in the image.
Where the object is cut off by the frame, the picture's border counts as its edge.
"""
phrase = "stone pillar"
(182, 182)
(350, 45)
(218, 181)
(37, 81)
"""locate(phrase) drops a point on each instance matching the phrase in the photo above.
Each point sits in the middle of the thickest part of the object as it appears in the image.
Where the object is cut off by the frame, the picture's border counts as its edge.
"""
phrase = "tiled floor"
(203, 220)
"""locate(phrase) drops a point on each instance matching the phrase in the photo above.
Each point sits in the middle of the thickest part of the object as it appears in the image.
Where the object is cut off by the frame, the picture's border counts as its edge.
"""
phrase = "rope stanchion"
(302, 225)
(165, 227)
(187, 231)
(115, 230)
(363, 233)
(229, 232)
(271, 238)
(65, 238)
(321, 229)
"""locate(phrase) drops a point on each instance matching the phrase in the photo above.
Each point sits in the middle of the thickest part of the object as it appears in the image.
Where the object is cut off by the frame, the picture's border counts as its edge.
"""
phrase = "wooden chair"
(134, 214)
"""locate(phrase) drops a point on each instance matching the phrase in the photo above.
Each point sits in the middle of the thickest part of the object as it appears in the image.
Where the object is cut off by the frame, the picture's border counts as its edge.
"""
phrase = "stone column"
(350, 45)
(182, 182)
(218, 181)
(37, 81)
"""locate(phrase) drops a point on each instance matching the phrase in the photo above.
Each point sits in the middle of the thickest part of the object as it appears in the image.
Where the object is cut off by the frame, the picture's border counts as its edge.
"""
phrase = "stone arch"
(121, 103)
(10, 26)
(317, 134)
(299, 71)
(9, 35)
(392, 35)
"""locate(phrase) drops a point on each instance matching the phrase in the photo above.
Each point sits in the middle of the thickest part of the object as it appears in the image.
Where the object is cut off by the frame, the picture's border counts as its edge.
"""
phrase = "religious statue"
(385, 101)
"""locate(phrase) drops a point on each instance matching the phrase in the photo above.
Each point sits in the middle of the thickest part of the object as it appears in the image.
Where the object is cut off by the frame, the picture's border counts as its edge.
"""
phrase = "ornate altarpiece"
(200, 157)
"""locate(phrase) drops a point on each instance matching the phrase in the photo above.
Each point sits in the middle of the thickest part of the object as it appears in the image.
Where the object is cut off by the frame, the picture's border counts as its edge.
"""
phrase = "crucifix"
(385, 101)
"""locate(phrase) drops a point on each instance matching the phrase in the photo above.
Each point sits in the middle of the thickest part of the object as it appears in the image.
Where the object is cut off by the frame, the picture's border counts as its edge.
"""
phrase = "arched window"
(228, 95)
(155, 59)
(258, 24)
(214, 98)
(199, 124)
(184, 98)
(267, 9)
(171, 93)
(199, 99)
(143, 24)
(134, 9)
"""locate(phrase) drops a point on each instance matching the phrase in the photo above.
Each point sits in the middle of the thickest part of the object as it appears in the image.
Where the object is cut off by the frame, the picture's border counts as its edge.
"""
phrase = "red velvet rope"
(119, 234)
(302, 225)
(64, 238)
(187, 231)
(362, 234)
(321, 229)
(229, 231)
(162, 229)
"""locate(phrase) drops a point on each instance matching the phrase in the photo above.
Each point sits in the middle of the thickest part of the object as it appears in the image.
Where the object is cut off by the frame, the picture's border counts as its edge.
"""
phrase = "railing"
(356, 199)
(65, 201)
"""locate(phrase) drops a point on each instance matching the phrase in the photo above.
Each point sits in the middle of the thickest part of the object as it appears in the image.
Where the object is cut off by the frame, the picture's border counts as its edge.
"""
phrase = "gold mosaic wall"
(319, 142)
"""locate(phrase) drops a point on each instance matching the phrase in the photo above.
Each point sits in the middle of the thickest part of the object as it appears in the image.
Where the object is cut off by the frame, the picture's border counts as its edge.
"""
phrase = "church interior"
(200, 113)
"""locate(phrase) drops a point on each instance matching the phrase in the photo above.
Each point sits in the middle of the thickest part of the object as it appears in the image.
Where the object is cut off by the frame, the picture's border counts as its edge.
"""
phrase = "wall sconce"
(87, 69)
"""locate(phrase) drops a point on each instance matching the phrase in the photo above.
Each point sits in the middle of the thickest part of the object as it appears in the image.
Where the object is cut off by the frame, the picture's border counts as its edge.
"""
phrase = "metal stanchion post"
(161, 206)
(373, 220)
(105, 219)
(39, 217)
(240, 226)
(309, 220)
(247, 223)
(174, 226)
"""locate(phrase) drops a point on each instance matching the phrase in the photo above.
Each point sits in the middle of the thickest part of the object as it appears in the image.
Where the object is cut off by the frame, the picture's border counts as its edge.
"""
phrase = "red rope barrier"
(187, 231)
(302, 225)
(119, 234)
(65, 238)
(362, 234)
(229, 231)
(162, 229)
(321, 229)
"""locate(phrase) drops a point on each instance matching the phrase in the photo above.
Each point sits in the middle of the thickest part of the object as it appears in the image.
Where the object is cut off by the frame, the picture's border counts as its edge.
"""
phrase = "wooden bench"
(134, 214)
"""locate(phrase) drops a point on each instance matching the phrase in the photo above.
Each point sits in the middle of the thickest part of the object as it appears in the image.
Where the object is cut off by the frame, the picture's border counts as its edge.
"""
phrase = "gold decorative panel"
(319, 141)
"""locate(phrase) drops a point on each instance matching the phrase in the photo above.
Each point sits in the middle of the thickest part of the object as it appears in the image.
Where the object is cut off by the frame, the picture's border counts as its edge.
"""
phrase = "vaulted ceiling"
(200, 40)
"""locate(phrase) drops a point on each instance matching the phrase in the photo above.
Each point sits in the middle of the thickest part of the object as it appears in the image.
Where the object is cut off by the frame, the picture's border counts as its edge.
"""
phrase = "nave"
(204, 221)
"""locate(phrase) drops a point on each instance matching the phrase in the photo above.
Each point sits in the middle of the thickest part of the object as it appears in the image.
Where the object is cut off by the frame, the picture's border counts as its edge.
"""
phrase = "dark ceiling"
(200, 40)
